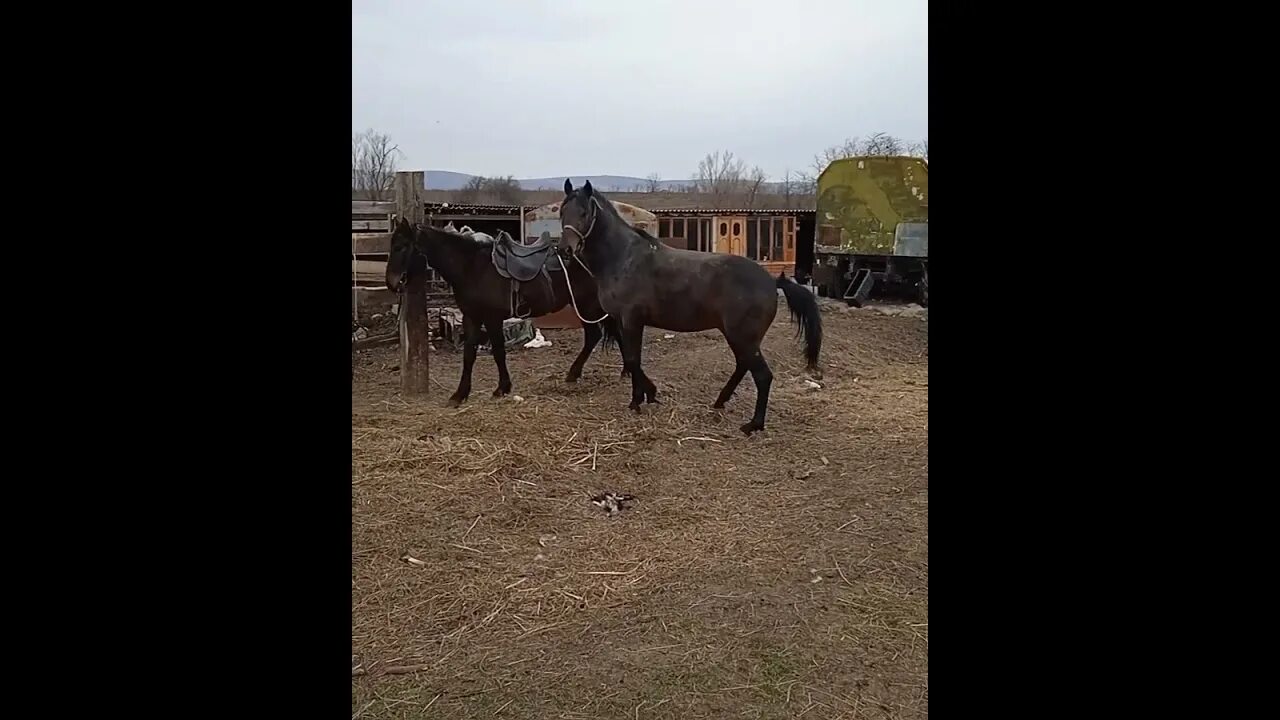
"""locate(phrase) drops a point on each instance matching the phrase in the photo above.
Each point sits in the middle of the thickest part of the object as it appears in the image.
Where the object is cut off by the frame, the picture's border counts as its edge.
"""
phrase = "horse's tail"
(612, 333)
(804, 310)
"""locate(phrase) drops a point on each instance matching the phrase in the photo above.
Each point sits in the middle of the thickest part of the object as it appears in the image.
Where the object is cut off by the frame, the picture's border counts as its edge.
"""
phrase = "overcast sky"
(537, 88)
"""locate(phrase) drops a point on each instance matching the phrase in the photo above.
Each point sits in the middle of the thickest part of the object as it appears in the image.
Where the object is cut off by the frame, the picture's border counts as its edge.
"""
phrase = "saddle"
(521, 263)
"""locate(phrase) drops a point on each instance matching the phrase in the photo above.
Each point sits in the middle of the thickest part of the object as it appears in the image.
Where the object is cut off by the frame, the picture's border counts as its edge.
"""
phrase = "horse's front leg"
(642, 388)
(592, 334)
(470, 339)
(498, 342)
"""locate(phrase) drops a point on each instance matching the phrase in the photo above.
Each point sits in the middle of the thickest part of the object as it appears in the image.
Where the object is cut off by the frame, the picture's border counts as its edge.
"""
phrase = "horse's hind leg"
(499, 344)
(592, 335)
(743, 351)
(744, 364)
(470, 339)
(616, 329)
(764, 379)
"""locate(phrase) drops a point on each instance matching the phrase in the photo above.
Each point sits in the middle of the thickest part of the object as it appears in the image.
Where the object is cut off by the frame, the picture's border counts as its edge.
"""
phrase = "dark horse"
(486, 298)
(644, 282)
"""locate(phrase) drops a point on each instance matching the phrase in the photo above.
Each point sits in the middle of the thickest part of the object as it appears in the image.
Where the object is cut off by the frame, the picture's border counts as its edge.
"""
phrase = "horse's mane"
(607, 205)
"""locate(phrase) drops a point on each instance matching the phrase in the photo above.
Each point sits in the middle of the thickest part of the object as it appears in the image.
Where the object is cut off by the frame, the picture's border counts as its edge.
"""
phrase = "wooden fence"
(370, 246)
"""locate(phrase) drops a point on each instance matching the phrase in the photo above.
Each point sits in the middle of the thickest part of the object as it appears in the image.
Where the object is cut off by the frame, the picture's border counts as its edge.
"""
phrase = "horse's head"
(578, 214)
(405, 257)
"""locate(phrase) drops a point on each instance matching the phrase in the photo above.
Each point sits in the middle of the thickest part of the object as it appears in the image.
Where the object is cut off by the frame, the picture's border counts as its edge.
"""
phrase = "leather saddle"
(521, 263)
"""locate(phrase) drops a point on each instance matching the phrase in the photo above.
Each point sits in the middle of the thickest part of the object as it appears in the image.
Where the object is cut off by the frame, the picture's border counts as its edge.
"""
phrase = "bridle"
(414, 252)
(582, 236)
(582, 239)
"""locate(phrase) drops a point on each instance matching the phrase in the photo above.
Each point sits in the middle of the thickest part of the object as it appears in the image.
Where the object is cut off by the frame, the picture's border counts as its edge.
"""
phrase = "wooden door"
(731, 235)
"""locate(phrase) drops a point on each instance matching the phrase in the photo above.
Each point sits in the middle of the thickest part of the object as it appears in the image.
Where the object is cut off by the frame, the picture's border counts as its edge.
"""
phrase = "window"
(737, 229)
(751, 238)
(691, 236)
(706, 243)
(791, 235)
(664, 228)
(764, 253)
(677, 228)
(778, 254)
(724, 228)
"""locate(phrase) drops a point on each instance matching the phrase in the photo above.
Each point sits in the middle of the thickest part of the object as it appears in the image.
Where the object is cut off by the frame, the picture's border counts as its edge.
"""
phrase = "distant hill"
(446, 180)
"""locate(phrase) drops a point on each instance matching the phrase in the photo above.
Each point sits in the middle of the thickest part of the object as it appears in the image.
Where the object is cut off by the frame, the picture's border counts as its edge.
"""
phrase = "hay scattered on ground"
(776, 575)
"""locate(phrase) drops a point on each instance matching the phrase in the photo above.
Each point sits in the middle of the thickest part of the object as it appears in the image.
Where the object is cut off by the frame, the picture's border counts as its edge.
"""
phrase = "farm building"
(780, 240)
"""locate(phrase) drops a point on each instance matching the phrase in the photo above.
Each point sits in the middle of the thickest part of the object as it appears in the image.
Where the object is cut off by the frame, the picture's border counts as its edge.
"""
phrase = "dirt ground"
(776, 576)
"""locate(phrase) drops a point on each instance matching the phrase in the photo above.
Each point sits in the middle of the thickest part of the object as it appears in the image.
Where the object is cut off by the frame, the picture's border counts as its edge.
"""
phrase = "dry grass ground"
(776, 576)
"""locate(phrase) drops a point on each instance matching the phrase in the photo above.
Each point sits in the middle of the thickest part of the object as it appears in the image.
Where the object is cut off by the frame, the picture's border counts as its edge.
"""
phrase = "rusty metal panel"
(861, 200)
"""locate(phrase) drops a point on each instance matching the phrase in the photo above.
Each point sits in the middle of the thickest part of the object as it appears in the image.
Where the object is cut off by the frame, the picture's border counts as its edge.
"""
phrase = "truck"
(873, 229)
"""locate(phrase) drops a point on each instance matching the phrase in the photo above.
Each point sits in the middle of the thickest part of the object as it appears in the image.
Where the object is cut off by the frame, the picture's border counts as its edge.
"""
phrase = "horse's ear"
(586, 189)
(568, 186)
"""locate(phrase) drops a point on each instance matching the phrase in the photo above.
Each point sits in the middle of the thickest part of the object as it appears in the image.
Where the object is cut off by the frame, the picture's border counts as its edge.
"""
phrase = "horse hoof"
(751, 426)
(635, 407)
(717, 406)
(500, 392)
(571, 378)
(453, 402)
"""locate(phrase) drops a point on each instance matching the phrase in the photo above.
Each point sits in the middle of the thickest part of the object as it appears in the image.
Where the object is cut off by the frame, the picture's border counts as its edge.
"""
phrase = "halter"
(595, 215)
(408, 261)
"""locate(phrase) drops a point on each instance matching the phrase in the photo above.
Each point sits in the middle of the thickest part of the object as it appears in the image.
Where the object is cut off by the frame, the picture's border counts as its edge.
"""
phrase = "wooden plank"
(370, 270)
(371, 207)
(370, 225)
(365, 243)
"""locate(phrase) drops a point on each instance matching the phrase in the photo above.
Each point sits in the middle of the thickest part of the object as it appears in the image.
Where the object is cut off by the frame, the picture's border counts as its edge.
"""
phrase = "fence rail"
(370, 246)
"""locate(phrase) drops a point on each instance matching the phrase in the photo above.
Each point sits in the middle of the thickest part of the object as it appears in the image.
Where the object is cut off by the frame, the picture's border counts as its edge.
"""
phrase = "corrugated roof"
(730, 211)
(437, 208)
(440, 207)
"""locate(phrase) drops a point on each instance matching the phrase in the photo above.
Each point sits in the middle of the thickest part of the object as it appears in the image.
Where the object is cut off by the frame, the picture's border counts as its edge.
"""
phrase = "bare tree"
(882, 144)
(879, 143)
(752, 184)
(500, 190)
(506, 190)
(373, 164)
(920, 150)
(785, 187)
(793, 185)
(720, 176)
(805, 183)
(470, 193)
(652, 182)
(849, 148)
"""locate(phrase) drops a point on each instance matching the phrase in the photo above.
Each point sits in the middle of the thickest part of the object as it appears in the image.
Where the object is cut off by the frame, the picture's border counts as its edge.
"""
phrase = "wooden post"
(415, 339)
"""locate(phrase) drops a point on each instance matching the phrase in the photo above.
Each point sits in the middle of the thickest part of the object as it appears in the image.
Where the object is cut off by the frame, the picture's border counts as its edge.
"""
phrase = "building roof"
(443, 208)
(729, 211)
(438, 208)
